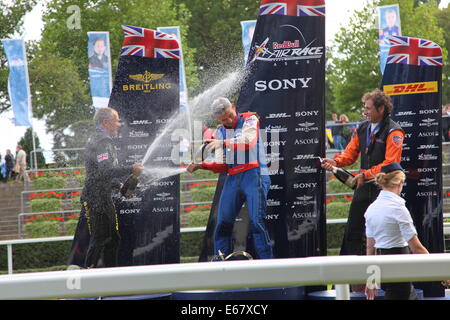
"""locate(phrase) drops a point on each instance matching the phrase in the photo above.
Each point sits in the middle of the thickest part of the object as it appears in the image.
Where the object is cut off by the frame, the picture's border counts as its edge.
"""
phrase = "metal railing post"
(342, 291)
(10, 258)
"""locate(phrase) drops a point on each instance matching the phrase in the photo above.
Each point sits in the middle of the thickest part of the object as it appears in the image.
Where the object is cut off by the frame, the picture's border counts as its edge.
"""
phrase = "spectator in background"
(336, 130)
(9, 163)
(21, 164)
(446, 122)
(346, 131)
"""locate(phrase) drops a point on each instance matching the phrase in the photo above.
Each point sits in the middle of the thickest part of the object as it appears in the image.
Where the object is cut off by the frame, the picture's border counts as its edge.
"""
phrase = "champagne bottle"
(129, 185)
(345, 177)
(198, 156)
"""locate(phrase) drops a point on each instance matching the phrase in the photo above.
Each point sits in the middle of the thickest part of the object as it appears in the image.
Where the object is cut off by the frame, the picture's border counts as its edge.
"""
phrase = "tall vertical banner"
(18, 81)
(146, 95)
(285, 85)
(413, 79)
(100, 77)
(175, 32)
(248, 30)
(389, 25)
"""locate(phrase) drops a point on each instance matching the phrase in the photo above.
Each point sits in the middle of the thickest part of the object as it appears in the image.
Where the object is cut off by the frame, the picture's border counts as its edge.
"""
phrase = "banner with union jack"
(146, 93)
(285, 84)
(149, 43)
(413, 80)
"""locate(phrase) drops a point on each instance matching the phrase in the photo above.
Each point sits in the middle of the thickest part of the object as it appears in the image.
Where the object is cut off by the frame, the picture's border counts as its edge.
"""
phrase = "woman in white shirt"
(390, 229)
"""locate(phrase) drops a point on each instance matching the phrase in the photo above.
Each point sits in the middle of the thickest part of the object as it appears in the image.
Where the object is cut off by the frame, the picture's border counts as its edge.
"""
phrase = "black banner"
(146, 95)
(285, 85)
(414, 84)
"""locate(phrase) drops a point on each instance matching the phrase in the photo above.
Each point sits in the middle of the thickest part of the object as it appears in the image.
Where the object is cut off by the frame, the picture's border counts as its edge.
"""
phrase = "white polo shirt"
(389, 222)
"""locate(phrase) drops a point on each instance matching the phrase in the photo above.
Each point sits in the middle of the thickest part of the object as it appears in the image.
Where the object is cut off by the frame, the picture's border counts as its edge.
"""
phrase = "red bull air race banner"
(285, 86)
(413, 79)
(146, 95)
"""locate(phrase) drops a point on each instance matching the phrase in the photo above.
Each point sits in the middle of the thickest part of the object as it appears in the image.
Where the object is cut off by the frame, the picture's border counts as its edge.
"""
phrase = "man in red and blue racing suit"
(237, 141)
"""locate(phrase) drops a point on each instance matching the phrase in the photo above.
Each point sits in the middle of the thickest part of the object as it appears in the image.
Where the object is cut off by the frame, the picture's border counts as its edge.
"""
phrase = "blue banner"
(248, 29)
(18, 82)
(99, 68)
(175, 32)
(389, 25)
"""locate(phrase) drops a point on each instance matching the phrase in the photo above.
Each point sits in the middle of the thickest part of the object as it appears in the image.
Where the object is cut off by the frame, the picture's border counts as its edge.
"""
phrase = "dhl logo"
(411, 88)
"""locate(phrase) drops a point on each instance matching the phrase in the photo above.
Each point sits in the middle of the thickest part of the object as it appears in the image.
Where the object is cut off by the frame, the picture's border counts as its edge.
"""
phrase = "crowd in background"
(13, 167)
(446, 123)
(340, 132)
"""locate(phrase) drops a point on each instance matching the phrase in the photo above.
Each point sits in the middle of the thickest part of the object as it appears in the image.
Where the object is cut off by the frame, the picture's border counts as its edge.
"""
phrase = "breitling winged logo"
(147, 76)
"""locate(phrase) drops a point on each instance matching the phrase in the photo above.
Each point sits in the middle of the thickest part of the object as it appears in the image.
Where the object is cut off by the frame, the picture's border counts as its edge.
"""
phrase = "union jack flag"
(149, 43)
(420, 52)
(293, 7)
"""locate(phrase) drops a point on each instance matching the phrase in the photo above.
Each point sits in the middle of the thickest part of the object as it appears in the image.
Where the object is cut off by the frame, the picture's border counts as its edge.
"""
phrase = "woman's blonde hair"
(391, 179)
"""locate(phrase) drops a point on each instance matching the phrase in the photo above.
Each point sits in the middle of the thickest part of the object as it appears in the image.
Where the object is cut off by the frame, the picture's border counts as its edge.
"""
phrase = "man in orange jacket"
(378, 141)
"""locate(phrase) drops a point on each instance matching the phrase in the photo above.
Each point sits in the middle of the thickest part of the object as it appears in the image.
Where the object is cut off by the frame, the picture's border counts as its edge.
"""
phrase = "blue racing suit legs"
(253, 187)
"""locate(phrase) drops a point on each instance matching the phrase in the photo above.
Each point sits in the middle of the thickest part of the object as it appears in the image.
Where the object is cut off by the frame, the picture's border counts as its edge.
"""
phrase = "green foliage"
(335, 233)
(76, 204)
(45, 205)
(70, 226)
(338, 209)
(203, 194)
(191, 244)
(44, 183)
(37, 255)
(199, 175)
(335, 186)
(198, 218)
(79, 178)
(27, 145)
(354, 65)
(443, 20)
(215, 33)
(11, 21)
(42, 229)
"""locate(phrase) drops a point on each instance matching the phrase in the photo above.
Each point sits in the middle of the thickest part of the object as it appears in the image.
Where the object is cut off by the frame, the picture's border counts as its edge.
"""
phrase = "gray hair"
(220, 105)
(103, 114)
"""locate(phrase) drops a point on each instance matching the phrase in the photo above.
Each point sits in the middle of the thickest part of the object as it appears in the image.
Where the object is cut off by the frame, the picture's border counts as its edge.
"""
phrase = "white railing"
(340, 270)
(9, 243)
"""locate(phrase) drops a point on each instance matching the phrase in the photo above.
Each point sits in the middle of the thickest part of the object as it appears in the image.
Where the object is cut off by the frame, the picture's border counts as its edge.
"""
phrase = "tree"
(443, 17)
(58, 67)
(10, 22)
(215, 33)
(110, 15)
(354, 68)
(27, 145)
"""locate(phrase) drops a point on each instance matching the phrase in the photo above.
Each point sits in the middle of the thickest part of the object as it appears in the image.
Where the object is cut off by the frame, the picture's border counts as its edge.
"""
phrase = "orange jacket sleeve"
(350, 154)
(394, 145)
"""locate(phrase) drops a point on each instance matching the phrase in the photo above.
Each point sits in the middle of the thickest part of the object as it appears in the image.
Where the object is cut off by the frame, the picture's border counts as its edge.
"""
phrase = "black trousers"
(104, 237)
(400, 290)
(354, 240)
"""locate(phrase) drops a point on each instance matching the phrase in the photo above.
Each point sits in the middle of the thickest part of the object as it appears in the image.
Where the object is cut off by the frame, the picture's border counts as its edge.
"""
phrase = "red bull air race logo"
(288, 50)
(282, 53)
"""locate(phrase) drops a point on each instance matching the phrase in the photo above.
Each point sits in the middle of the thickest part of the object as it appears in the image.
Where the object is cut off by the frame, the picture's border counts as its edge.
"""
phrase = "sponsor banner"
(18, 81)
(413, 79)
(389, 25)
(99, 68)
(411, 88)
(248, 29)
(146, 95)
(285, 86)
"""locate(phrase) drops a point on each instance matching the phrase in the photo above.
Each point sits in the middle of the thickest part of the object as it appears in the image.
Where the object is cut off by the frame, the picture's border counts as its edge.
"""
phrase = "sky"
(338, 14)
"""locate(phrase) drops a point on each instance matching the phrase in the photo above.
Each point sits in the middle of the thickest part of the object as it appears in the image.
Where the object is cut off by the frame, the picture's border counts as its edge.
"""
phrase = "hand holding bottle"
(328, 164)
